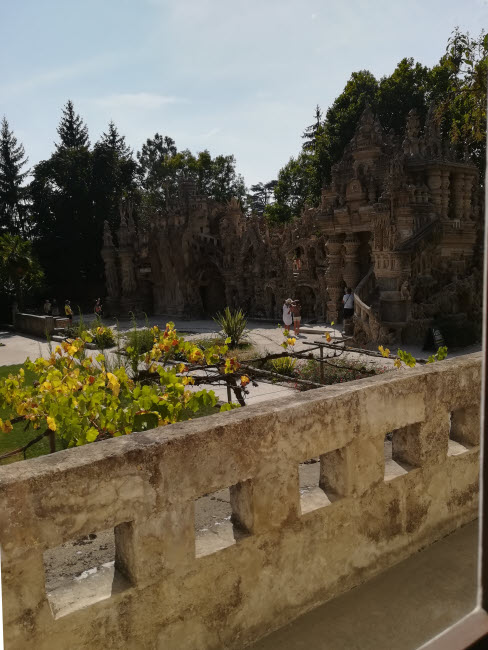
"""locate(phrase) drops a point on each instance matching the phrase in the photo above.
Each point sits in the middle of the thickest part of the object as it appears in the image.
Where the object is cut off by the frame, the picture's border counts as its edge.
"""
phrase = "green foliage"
(19, 269)
(336, 372)
(283, 366)
(162, 169)
(138, 342)
(14, 217)
(261, 196)
(407, 358)
(457, 85)
(406, 88)
(79, 400)
(233, 323)
(73, 192)
(440, 355)
(71, 130)
(19, 436)
(102, 336)
(113, 177)
(229, 406)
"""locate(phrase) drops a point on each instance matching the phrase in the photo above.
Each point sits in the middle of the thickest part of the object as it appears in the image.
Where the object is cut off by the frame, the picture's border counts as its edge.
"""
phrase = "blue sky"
(232, 77)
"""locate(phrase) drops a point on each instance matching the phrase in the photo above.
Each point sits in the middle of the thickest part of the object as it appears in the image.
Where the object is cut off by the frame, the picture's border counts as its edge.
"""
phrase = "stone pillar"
(352, 271)
(111, 275)
(444, 194)
(129, 283)
(468, 185)
(434, 182)
(333, 275)
(458, 191)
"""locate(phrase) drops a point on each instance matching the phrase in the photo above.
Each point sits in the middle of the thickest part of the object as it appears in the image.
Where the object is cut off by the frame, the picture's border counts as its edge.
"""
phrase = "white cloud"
(211, 133)
(60, 74)
(138, 101)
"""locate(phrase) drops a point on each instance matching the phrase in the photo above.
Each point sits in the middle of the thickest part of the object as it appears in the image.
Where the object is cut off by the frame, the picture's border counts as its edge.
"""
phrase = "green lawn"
(18, 437)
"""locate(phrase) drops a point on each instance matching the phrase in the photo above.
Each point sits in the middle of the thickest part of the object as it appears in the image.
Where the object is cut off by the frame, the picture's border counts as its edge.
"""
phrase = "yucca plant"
(233, 324)
(284, 366)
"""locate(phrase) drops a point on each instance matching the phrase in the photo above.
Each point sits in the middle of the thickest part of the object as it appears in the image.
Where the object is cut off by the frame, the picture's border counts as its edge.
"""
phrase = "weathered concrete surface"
(39, 325)
(292, 558)
(400, 609)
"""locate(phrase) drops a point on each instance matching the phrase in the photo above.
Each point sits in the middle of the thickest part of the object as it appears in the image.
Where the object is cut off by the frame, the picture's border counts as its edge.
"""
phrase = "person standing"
(55, 308)
(348, 302)
(98, 308)
(47, 307)
(296, 310)
(68, 311)
(287, 315)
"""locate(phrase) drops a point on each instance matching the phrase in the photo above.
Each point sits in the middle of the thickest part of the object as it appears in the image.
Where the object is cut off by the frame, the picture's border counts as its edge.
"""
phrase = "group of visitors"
(292, 314)
(51, 308)
(292, 310)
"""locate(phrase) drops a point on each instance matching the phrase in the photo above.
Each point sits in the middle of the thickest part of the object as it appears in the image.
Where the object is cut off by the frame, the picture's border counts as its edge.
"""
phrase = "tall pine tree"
(72, 130)
(13, 195)
(313, 131)
(63, 209)
(113, 178)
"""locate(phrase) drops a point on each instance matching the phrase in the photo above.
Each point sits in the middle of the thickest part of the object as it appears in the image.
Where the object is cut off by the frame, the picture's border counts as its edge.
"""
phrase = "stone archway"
(271, 310)
(212, 290)
(308, 300)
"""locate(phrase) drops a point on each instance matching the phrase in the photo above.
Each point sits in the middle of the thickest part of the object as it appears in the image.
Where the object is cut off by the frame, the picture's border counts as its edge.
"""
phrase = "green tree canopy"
(162, 167)
(14, 216)
(19, 269)
(457, 86)
(72, 130)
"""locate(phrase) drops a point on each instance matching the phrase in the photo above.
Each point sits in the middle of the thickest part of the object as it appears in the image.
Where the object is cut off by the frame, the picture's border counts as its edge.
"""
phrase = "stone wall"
(289, 552)
(38, 325)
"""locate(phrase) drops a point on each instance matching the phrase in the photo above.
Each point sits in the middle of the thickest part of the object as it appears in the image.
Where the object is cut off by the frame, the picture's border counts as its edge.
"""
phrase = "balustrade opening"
(401, 449)
(316, 488)
(217, 522)
(84, 571)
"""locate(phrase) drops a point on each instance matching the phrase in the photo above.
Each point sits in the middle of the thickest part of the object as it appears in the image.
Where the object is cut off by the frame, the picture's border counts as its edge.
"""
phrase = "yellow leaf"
(328, 337)
(385, 352)
(398, 363)
(51, 423)
(114, 384)
(332, 323)
(6, 426)
(244, 380)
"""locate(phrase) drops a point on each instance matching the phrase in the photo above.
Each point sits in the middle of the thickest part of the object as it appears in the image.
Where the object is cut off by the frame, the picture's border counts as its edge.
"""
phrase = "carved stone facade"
(398, 224)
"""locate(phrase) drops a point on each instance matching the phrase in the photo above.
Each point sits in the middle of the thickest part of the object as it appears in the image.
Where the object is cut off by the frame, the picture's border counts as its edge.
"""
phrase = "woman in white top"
(287, 315)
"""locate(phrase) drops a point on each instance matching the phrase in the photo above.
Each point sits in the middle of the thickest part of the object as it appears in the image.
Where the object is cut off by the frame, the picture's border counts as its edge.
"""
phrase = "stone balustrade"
(288, 551)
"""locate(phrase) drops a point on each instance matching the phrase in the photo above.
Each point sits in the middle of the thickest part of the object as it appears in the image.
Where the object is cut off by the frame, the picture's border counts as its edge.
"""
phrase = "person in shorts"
(296, 310)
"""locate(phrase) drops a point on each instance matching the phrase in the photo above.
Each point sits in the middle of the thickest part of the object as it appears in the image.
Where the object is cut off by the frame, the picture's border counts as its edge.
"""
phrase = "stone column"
(434, 182)
(333, 275)
(445, 194)
(352, 272)
(129, 283)
(458, 187)
(111, 275)
(468, 184)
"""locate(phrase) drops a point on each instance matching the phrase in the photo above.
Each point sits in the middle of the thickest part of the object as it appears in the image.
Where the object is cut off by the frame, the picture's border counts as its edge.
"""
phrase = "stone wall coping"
(146, 444)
